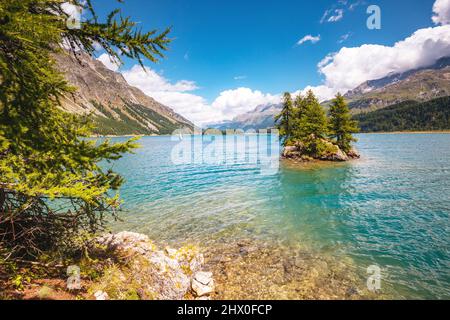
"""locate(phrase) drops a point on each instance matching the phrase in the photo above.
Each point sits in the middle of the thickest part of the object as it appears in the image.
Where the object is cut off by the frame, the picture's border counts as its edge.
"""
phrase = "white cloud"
(441, 10)
(350, 67)
(336, 12)
(324, 16)
(342, 71)
(241, 100)
(109, 62)
(191, 106)
(322, 92)
(308, 38)
(70, 9)
(338, 15)
(174, 95)
(149, 80)
(355, 4)
(344, 37)
(177, 95)
(240, 78)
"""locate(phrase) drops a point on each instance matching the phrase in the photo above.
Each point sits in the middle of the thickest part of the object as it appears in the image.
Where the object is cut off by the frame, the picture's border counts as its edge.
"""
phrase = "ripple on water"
(390, 209)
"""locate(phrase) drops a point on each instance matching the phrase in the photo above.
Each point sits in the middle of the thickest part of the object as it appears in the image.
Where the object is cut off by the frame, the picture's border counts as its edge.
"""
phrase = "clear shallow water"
(390, 208)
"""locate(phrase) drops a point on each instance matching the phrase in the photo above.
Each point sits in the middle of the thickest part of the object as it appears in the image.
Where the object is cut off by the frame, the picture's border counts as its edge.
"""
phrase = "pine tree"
(341, 124)
(46, 161)
(299, 111)
(313, 127)
(301, 105)
(314, 119)
(284, 120)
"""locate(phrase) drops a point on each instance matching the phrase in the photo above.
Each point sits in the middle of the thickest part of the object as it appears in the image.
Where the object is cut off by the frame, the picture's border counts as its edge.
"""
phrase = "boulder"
(339, 155)
(202, 284)
(101, 295)
(353, 154)
(335, 153)
(288, 151)
(159, 274)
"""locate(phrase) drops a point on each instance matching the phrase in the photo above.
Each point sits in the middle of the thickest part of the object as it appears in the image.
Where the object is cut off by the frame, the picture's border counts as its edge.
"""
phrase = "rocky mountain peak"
(117, 107)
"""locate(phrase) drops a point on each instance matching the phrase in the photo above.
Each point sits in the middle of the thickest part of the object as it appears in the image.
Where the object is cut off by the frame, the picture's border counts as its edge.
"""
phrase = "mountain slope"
(419, 85)
(260, 118)
(116, 107)
(408, 116)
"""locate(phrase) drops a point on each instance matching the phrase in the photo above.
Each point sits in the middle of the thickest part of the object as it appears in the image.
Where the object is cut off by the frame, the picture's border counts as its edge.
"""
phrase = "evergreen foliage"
(314, 119)
(284, 121)
(313, 131)
(52, 189)
(408, 116)
(341, 124)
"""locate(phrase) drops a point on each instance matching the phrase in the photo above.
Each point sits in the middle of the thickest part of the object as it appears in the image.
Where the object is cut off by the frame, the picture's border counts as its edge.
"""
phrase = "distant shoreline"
(168, 135)
(407, 132)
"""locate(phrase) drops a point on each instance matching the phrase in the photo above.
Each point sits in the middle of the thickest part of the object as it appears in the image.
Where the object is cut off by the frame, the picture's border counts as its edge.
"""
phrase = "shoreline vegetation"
(55, 198)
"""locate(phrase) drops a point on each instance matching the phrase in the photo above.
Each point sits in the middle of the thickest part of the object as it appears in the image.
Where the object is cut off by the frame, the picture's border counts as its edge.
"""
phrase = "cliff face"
(116, 107)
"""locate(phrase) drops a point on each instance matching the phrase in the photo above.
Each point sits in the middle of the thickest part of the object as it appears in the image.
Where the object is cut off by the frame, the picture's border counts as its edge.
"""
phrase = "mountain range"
(116, 107)
(418, 85)
(260, 118)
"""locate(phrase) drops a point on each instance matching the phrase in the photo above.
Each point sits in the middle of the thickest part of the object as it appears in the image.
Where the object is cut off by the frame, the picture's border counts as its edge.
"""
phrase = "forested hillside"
(408, 116)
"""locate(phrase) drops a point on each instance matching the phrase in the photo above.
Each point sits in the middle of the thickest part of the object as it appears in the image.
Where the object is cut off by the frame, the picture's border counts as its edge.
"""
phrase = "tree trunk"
(2, 200)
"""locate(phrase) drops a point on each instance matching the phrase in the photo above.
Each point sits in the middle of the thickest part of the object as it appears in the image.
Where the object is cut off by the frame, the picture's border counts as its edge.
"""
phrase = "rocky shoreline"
(231, 269)
(335, 154)
(152, 274)
(129, 266)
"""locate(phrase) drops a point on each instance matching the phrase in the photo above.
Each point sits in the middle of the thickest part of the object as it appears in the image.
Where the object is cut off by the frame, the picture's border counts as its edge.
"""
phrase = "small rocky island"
(309, 133)
(298, 152)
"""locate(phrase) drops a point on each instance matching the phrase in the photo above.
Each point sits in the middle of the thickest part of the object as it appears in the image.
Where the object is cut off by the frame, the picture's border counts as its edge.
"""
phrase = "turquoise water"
(391, 208)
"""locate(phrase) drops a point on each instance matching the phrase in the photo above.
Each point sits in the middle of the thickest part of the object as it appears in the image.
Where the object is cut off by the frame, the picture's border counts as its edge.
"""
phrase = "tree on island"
(341, 124)
(313, 120)
(313, 133)
(53, 193)
(284, 120)
(300, 107)
(313, 126)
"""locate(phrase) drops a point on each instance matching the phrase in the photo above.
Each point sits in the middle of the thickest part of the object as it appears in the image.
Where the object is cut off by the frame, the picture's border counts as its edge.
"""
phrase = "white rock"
(101, 295)
(288, 150)
(203, 284)
(171, 252)
(167, 274)
(203, 277)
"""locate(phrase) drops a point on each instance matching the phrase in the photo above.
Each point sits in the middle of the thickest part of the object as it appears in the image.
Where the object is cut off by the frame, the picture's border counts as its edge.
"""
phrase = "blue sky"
(220, 46)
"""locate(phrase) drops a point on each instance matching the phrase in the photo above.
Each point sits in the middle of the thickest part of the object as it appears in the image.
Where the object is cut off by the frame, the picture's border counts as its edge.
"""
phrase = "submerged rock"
(286, 271)
(152, 273)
